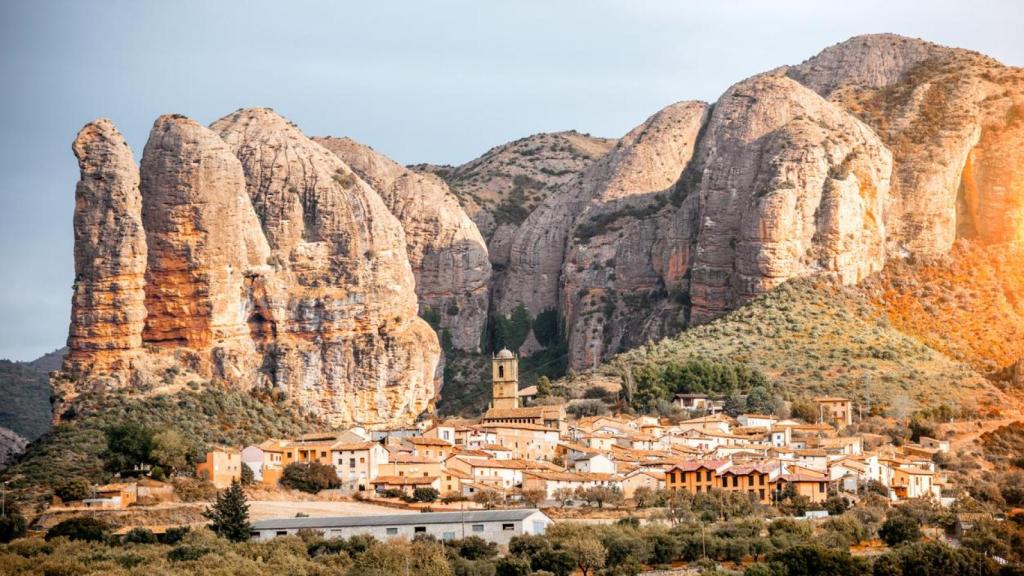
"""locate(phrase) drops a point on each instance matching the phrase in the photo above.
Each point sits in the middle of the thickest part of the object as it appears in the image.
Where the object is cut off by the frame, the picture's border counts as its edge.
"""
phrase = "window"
(282, 532)
(725, 481)
(508, 527)
(392, 531)
(351, 462)
(362, 460)
(501, 371)
(323, 454)
(761, 493)
(448, 536)
(735, 481)
(707, 475)
(419, 529)
(478, 527)
(821, 486)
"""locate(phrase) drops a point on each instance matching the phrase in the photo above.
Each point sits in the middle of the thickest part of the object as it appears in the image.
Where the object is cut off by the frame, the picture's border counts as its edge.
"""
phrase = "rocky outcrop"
(619, 261)
(790, 184)
(269, 263)
(446, 251)
(501, 188)
(107, 309)
(952, 121)
(11, 445)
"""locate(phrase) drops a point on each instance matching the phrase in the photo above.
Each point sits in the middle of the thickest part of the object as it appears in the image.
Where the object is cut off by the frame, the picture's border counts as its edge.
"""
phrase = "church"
(505, 406)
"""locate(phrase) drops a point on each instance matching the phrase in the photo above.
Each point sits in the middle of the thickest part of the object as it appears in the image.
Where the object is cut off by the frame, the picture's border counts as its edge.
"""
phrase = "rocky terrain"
(244, 252)
(447, 252)
(858, 166)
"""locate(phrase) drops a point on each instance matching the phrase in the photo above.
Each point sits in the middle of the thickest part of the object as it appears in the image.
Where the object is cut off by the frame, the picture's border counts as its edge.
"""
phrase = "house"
(695, 476)
(714, 423)
(642, 478)
(503, 474)
(525, 440)
(498, 526)
(405, 484)
(697, 402)
(756, 420)
(597, 463)
(551, 481)
(220, 467)
(119, 495)
(834, 409)
(429, 447)
(527, 395)
(940, 445)
(404, 464)
(446, 433)
(913, 482)
(756, 478)
(265, 458)
(357, 463)
(805, 483)
(550, 417)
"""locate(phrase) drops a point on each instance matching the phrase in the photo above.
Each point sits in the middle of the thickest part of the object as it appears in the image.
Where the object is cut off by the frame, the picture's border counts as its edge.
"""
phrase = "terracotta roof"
(519, 426)
(526, 412)
(412, 459)
(352, 446)
(427, 441)
(404, 480)
(691, 465)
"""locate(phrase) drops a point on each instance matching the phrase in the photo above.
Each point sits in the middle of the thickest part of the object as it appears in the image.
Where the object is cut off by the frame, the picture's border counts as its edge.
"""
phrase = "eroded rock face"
(790, 184)
(107, 310)
(952, 121)
(446, 251)
(616, 272)
(267, 262)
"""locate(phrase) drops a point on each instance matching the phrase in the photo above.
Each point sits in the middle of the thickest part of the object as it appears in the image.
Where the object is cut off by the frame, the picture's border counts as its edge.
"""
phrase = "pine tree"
(229, 515)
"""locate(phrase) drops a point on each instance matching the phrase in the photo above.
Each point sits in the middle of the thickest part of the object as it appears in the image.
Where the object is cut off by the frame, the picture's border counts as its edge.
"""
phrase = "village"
(525, 455)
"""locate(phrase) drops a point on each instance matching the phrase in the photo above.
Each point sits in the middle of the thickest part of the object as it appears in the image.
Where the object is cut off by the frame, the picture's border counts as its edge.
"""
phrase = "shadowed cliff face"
(269, 263)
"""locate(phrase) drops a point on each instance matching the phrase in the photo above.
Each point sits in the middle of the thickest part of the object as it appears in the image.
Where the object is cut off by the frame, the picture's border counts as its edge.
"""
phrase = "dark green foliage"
(310, 477)
(74, 489)
(26, 393)
(584, 408)
(229, 514)
(139, 535)
(810, 560)
(211, 415)
(425, 494)
(662, 382)
(511, 331)
(933, 559)
(512, 566)
(474, 548)
(899, 528)
(12, 525)
(80, 528)
(174, 534)
(545, 327)
(128, 446)
(187, 553)
(612, 221)
(248, 476)
(433, 317)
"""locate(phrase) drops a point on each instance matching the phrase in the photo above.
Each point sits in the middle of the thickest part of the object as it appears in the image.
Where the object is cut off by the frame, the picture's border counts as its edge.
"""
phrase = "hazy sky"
(421, 81)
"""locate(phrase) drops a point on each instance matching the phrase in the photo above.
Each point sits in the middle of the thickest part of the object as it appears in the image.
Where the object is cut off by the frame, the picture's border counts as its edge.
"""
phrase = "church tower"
(505, 379)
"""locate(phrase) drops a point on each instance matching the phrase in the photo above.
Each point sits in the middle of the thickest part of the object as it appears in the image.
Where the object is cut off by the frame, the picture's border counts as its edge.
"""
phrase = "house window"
(281, 533)
(707, 475)
(419, 529)
(362, 460)
(725, 481)
(735, 481)
(351, 462)
(447, 536)
(392, 531)
(323, 454)
(478, 527)
(508, 527)
(821, 486)
(761, 493)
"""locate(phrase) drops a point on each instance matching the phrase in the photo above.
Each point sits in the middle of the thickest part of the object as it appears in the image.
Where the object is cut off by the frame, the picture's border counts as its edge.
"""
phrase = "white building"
(497, 526)
(596, 463)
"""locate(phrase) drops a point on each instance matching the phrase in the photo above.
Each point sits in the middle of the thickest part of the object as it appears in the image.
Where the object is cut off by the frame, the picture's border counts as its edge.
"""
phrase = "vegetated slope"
(968, 304)
(812, 337)
(207, 415)
(26, 399)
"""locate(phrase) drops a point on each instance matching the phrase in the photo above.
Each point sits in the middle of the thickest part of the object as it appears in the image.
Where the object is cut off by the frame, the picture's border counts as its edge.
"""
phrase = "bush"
(174, 535)
(585, 408)
(512, 566)
(425, 494)
(80, 528)
(140, 535)
(474, 548)
(899, 528)
(193, 489)
(74, 489)
(809, 560)
(310, 477)
(187, 553)
(12, 526)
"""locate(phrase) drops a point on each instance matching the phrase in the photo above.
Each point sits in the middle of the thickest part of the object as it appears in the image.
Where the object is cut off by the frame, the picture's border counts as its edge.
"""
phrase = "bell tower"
(505, 380)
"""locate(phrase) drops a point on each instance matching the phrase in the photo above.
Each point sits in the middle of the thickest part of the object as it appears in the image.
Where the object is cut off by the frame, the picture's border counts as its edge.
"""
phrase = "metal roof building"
(495, 525)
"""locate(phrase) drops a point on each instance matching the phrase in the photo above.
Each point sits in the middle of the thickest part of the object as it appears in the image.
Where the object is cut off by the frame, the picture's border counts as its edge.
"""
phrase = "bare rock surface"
(447, 253)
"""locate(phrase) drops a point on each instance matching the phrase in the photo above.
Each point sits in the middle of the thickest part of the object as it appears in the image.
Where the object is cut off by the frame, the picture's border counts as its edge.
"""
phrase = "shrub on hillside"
(310, 477)
(899, 528)
(425, 494)
(80, 528)
(74, 489)
(12, 525)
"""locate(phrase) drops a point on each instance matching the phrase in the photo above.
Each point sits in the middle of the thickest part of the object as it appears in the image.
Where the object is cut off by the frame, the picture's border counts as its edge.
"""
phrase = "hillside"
(811, 337)
(26, 393)
(968, 304)
(205, 414)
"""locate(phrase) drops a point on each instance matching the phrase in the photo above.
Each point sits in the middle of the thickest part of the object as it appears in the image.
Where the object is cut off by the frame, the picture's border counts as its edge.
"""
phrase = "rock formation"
(447, 253)
(107, 309)
(269, 263)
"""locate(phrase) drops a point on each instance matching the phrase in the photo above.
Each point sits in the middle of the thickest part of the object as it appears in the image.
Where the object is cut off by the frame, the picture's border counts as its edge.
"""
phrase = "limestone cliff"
(268, 263)
(107, 309)
(447, 252)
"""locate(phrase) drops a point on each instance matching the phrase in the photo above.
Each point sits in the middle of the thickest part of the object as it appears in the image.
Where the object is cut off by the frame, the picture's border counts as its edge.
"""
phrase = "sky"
(438, 81)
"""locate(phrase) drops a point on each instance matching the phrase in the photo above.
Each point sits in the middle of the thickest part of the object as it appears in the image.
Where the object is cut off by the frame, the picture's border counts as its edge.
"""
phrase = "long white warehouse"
(497, 526)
